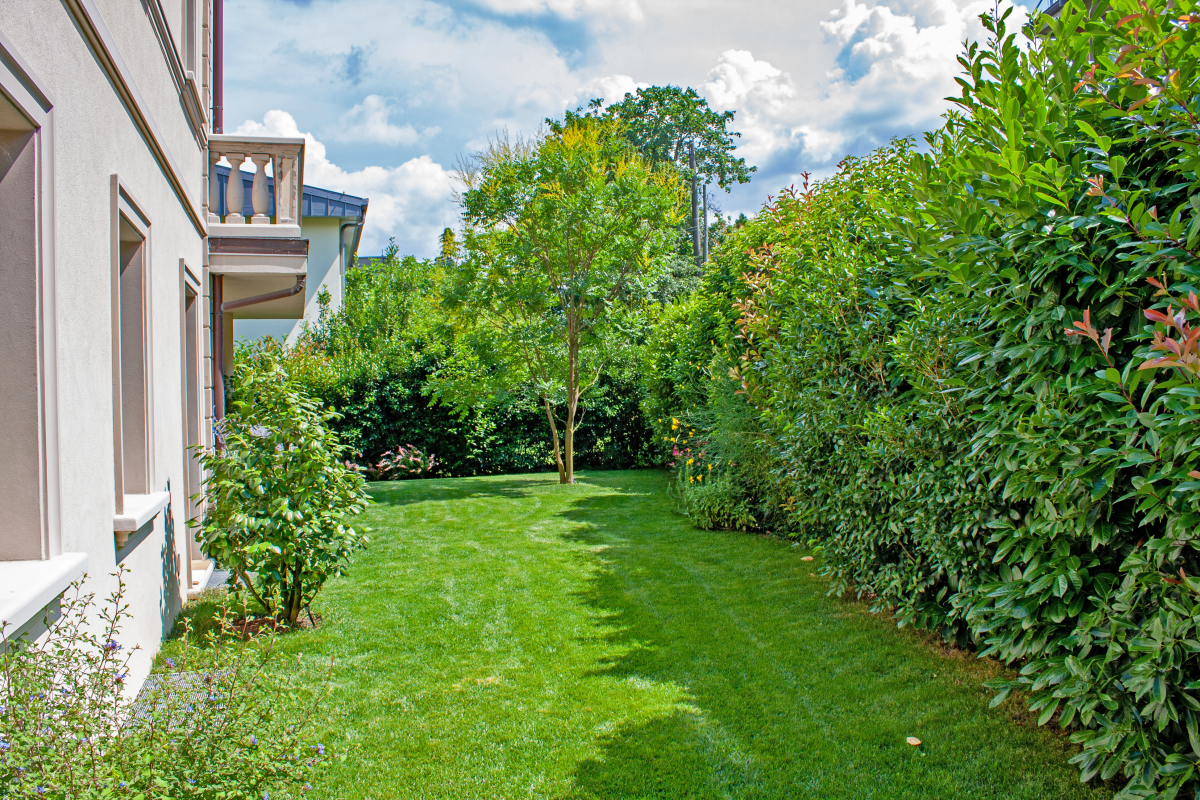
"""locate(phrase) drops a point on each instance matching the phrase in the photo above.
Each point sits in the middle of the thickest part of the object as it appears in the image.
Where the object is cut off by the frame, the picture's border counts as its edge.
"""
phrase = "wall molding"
(100, 39)
(185, 81)
(25, 90)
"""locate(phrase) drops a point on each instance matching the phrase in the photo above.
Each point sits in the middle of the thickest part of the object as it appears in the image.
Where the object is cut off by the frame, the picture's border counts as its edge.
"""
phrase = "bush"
(375, 361)
(278, 491)
(220, 724)
(960, 460)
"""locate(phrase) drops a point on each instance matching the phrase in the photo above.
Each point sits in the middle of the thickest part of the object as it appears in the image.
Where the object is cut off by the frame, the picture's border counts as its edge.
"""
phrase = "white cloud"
(368, 122)
(570, 9)
(763, 96)
(413, 202)
(610, 88)
(894, 67)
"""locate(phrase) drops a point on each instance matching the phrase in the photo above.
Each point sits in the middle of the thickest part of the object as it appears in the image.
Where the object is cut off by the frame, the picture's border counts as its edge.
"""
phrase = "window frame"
(26, 93)
(126, 208)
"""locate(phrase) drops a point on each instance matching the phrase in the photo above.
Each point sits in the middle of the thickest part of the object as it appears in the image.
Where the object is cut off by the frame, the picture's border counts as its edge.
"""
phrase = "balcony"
(254, 225)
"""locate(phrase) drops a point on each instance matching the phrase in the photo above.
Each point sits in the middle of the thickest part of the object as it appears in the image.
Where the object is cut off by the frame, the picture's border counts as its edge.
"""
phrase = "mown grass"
(508, 637)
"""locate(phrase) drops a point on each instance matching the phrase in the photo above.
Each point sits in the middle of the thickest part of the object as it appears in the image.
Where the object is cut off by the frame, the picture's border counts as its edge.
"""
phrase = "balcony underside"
(252, 267)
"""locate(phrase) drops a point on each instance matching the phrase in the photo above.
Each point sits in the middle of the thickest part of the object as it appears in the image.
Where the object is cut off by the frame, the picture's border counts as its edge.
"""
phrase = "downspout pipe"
(233, 305)
(218, 67)
(221, 307)
(218, 293)
(344, 252)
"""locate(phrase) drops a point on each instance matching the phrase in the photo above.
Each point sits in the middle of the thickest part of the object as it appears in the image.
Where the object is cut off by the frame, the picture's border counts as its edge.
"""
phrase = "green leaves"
(278, 491)
(959, 458)
(564, 237)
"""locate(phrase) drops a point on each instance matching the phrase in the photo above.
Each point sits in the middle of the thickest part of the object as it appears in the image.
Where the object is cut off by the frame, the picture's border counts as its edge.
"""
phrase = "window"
(192, 390)
(21, 504)
(133, 411)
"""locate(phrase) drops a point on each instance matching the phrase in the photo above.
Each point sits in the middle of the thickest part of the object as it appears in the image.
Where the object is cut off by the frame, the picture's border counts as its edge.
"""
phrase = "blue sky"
(391, 92)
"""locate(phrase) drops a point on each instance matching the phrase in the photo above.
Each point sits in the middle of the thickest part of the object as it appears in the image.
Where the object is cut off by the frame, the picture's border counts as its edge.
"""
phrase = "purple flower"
(5, 746)
(170, 662)
(253, 740)
(122, 785)
(320, 749)
(112, 645)
(260, 431)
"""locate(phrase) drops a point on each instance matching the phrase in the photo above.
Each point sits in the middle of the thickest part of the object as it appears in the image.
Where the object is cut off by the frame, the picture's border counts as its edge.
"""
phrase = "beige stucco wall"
(95, 138)
(324, 272)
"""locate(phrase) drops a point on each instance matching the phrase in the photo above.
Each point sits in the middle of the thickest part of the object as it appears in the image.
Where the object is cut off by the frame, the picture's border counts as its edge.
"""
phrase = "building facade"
(121, 275)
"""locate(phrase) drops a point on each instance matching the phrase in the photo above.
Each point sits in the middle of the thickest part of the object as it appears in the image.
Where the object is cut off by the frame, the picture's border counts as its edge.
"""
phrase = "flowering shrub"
(402, 462)
(280, 496)
(220, 723)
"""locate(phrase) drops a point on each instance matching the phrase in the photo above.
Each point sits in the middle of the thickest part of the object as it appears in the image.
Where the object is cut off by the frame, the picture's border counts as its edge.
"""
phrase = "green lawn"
(508, 637)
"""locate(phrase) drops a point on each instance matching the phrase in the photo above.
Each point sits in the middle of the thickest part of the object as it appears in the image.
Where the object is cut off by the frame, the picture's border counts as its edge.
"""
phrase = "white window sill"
(26, 587)
(140, 509)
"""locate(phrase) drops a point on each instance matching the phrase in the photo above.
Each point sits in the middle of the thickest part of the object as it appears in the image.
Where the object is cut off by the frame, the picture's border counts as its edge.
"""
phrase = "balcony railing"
(279, 210)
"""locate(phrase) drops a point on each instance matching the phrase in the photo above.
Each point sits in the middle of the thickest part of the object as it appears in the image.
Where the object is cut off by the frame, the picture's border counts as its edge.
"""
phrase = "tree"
(660, 121)
(670, 125)
(563, 236)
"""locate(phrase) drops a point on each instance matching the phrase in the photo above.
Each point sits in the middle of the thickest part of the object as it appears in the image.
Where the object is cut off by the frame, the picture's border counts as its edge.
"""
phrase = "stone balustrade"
(286, 157)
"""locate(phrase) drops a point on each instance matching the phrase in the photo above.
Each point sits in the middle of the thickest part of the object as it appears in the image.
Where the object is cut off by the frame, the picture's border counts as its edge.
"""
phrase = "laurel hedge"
(971, 378)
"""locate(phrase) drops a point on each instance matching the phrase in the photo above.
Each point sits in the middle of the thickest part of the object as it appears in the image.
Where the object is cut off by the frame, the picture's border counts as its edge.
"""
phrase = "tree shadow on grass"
(787, 693)
(437, 490)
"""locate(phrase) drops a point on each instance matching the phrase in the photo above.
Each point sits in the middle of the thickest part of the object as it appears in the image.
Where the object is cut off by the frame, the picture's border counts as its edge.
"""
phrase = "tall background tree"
(563, 237)
(675, 126)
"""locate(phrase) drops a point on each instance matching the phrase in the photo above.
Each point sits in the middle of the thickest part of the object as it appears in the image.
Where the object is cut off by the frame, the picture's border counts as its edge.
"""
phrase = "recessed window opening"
(20, 487)
(133, 409)
(192, 389)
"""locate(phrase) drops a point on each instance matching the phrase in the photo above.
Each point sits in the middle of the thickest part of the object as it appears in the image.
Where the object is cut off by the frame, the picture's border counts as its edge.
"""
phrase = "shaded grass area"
(507, 637)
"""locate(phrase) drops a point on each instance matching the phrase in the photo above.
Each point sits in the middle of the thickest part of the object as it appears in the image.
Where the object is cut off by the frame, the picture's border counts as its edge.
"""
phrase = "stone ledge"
(26, 587)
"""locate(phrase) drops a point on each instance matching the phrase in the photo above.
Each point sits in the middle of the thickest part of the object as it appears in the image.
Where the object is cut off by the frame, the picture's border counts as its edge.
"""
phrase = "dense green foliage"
(662, 121)
(509, 638)
(895, 341)
(279, 494)
(565, 236)
(374, 361)
(219, 722)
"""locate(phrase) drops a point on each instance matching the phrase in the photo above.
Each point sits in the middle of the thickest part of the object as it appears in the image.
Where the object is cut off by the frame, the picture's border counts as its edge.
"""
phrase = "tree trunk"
(695, 209)
(296, 596)
(572, 406)
(558, 460)
(572, 398)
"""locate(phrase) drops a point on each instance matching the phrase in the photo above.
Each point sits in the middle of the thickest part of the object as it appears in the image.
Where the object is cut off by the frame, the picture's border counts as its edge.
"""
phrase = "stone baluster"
(285, 191)
(259, 195)
(235, 193)
(214, 187)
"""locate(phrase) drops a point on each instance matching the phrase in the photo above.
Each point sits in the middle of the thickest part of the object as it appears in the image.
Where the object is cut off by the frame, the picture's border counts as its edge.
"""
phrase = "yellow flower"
(674, 423)
(710, 466)
(690, 461)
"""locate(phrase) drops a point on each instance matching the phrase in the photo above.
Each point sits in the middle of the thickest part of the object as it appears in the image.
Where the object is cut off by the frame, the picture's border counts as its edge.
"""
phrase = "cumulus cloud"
(368, 122)
(412, 202)
(895, 65)
(763, 96)
(610, 89)
(569, 9)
